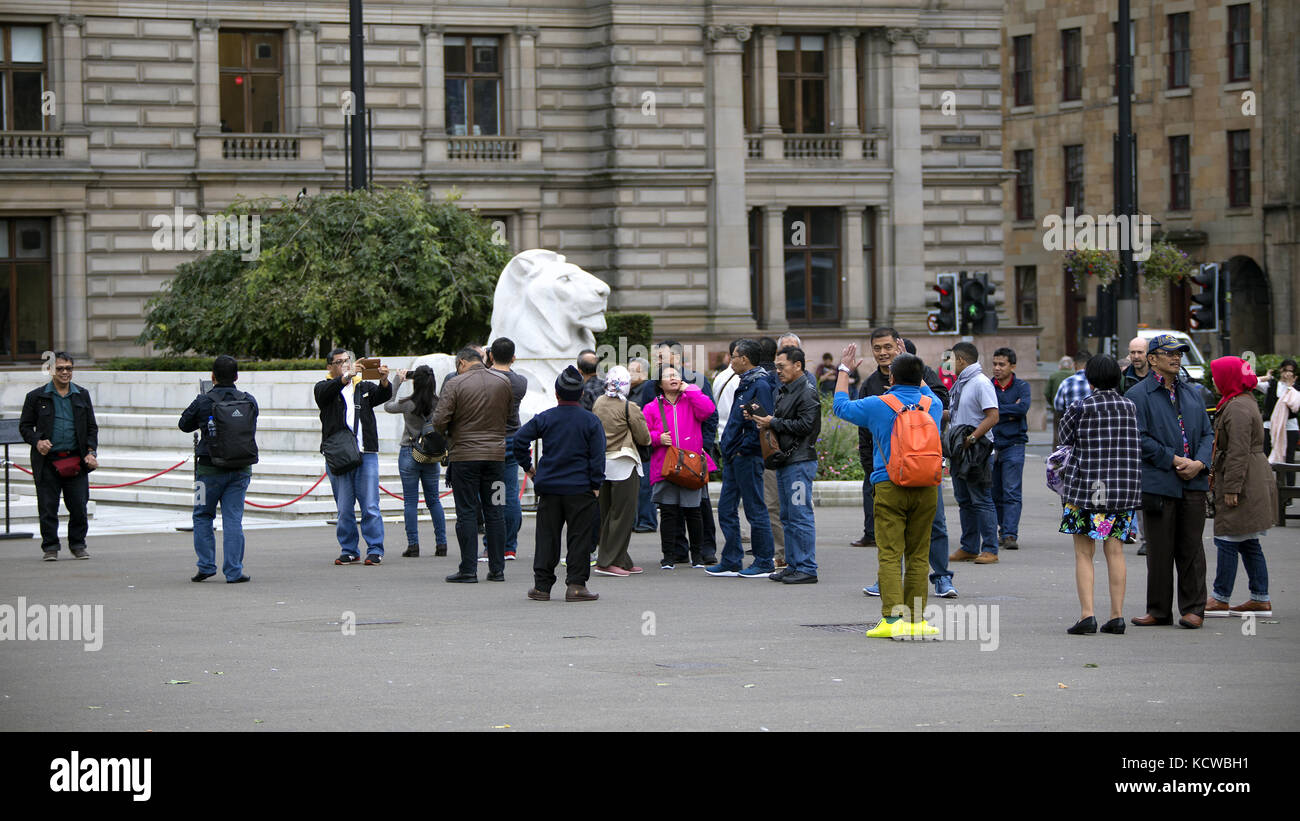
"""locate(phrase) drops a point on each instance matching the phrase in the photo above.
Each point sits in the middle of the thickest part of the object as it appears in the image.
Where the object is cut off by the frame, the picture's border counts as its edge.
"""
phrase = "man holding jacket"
(796, 422)
(348, 403)
(742, 472)
(58, 421)
(1177, 440)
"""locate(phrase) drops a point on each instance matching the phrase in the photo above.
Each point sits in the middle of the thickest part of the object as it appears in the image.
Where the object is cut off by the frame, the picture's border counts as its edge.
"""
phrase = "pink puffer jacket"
(692, 407)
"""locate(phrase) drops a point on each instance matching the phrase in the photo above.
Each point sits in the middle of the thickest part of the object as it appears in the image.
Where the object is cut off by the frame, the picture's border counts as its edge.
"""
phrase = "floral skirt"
(1099, 525)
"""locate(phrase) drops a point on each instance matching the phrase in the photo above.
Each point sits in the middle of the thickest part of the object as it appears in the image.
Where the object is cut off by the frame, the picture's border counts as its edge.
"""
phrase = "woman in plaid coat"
(1102, 486)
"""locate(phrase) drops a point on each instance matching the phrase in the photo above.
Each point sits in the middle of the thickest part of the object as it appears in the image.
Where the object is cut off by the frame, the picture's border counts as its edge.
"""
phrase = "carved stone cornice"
(207, 24)
(715, 32)
(78, 20)
(917, 35)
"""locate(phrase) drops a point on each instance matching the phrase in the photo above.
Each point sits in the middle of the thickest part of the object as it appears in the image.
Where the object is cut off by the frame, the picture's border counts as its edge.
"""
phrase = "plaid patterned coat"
(1105, 468)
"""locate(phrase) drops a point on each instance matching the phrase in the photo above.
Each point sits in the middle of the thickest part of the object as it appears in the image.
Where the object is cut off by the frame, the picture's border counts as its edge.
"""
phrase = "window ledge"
(1237, 85)
(1022, 109)
(1240, 211)
(1178, 92)
(1070, 105)
(1179, 215)
(1020, 225)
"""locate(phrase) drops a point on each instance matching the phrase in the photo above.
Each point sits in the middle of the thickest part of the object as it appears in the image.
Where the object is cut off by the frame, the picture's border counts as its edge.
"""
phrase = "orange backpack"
(915, 454)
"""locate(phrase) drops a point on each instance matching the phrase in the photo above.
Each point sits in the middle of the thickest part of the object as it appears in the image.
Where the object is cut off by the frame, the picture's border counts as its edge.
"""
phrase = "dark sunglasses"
(63, 368)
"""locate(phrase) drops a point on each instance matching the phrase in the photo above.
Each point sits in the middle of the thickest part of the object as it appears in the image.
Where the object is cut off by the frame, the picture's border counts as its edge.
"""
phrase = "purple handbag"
(1057, 464)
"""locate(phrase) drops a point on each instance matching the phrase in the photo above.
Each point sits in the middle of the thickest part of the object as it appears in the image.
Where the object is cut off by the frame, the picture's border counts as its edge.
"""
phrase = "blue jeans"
(1252, 556)
(978, 518)
(1008, 471)
(416, 475)
(795, 485)
(359, 487)
(742, 481)
(646, 518)
(228, 488)
(514, 513)
(939, 544)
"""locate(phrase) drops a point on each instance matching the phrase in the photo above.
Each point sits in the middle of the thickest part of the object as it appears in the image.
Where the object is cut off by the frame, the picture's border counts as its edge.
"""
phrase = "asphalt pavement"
(308, 645)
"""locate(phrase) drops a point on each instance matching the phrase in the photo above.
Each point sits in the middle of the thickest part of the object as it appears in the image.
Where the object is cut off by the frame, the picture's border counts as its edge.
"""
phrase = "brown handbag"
(684, 468)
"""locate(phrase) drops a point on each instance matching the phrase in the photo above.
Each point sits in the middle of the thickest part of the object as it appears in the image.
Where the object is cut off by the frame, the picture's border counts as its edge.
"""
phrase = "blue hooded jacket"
(740, 436)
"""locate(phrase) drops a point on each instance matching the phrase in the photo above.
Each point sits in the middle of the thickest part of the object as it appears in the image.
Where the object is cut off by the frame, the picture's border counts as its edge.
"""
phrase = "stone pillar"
(854, 269)
(529, 231)
(845, 92)
(75, 338)
(308, 104)
(526, 93)
(773, 267)
(769, 99)
(730, 231)
(435, 96)
(71, 108)
(209, 66)
(906, 277)
(884, 301)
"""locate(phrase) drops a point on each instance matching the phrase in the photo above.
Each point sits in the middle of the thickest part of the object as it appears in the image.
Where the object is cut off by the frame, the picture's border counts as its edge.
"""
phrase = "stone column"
(846, 92)
(854, 268)
(308, 104)
(907, 274)
(769, 98)
(773, 267)
(729, 229)
(526, 93)
(71, 108)
(209, 65)
(884, 301)
(75, 338)
(529, 231)
(435, 96)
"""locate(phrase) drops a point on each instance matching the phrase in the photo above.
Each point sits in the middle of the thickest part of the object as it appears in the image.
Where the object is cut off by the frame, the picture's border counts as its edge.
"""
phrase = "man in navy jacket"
(1177, 438)
(1009, 437)
(567, 481)
(742, 471)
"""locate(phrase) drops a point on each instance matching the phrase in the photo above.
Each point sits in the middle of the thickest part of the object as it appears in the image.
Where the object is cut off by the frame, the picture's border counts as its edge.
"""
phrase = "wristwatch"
(845, 368)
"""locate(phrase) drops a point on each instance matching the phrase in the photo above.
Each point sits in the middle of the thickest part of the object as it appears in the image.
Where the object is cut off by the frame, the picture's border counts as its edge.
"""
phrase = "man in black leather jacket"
(797, 421)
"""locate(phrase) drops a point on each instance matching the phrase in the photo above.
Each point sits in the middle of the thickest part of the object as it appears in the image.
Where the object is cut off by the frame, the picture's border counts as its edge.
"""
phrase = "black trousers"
(674, 523)
(479, 487)
(76, 493)
(576, 512)
(1174, 541)
(706, 544)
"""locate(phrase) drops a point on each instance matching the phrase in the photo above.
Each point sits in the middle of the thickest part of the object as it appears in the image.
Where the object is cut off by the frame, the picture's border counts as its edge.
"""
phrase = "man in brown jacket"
(472, 413)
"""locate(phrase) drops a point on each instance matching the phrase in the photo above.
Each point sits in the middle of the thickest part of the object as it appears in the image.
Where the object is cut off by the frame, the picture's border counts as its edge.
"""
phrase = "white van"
(1193, 362)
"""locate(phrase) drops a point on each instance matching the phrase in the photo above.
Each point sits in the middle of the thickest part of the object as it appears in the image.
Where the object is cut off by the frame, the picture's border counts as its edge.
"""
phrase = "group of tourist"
(631, 451)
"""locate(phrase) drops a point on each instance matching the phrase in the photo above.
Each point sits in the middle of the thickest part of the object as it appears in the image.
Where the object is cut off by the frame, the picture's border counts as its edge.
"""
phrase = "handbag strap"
(663, 414)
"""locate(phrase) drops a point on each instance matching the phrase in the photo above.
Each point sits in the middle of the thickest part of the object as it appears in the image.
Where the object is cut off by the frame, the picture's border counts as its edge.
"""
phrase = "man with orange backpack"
(908, 466)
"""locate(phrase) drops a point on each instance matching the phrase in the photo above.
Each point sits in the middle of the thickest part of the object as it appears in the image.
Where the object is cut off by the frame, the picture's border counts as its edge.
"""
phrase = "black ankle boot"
(412, 551)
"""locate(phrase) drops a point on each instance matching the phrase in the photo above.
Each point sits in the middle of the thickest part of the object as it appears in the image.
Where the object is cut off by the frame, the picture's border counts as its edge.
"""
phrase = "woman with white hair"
(625, 428)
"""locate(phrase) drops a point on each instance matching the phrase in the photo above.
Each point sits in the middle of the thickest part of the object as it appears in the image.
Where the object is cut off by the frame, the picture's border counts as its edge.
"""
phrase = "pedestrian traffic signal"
(943, 319)
(1205, 305)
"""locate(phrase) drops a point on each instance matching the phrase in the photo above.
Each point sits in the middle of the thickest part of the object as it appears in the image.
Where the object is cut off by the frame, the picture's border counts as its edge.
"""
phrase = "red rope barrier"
(522, 486)
(291, 501)
(145, 479)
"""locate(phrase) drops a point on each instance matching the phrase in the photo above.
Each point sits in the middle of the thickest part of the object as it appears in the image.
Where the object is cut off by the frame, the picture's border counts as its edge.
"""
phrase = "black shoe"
(348, 558)
(643, 530)
(440, 550)
(1010, 543)
(80, 552)
(666, 565)
(465, 578)
(799, 578)
(199, 577)
(497, 577)
(1088, 625)
(1115, 626)
(50, 556)
(240, 580)
(374, 558)
(780, 574)
(412, 551)
(1142, 551)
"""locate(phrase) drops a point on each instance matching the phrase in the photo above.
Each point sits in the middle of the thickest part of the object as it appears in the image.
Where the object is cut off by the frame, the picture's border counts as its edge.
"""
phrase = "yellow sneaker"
(915, 631)
(885, 629)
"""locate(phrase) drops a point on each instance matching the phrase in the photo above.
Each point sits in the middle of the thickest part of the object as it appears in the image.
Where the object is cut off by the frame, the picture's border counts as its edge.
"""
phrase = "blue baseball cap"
(1168, 343)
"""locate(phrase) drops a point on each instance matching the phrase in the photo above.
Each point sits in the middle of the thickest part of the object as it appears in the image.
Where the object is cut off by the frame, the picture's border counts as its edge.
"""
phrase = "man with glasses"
(348, 403)
(58, 421)
(1176, 442)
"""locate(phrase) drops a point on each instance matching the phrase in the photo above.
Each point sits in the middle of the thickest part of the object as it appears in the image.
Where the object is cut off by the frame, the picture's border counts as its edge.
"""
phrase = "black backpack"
(232, 428)
(430, 446)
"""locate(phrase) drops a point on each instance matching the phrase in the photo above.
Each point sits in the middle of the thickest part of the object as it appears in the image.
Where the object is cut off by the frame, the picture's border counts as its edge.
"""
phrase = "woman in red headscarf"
(1244, 491)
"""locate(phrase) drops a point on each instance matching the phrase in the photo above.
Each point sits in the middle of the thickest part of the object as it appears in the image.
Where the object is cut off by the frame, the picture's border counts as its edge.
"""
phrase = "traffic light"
(943, 319)
(989, 324)
(973, 302)
(1205, 305)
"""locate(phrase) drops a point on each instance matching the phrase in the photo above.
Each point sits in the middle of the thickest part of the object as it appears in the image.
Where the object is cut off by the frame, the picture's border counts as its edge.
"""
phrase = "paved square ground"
(662, 651)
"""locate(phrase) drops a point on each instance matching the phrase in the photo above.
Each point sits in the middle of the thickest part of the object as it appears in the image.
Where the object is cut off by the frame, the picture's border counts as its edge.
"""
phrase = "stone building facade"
(729, 167)
(1212, 104)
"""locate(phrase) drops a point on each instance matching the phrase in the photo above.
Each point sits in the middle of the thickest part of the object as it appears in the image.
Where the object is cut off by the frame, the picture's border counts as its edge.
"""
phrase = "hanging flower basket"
(1167, 265)
(1089, 266)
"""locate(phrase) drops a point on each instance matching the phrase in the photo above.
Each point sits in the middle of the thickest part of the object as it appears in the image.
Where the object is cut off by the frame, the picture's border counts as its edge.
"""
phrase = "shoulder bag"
(684, 468)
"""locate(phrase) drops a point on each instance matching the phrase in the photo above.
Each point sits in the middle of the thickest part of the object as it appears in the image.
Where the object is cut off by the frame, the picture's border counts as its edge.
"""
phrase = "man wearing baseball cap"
(1176, 444)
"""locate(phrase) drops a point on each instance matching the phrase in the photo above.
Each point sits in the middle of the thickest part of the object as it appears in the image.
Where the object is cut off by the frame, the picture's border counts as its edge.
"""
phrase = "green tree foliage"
(638, 329)
(385, 267)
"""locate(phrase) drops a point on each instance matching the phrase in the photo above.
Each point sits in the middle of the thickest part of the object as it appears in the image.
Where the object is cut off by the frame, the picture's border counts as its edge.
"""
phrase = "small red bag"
(67, 466)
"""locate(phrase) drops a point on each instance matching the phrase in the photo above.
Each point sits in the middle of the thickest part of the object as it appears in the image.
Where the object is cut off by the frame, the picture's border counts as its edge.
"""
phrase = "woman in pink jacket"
(674, 419)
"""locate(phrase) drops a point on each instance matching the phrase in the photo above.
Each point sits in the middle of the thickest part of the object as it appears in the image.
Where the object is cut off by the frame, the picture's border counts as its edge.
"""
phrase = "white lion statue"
(550, 308)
